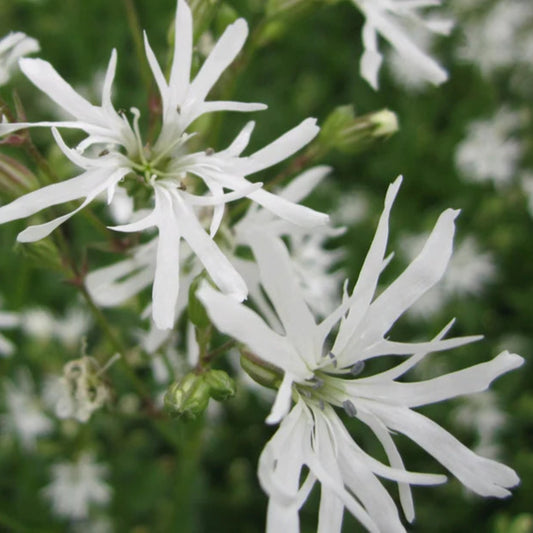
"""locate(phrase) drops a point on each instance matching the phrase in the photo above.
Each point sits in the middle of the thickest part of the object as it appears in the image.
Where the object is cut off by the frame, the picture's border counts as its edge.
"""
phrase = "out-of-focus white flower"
(76, 486)
(7, 321)
(407, 74)
(314, 263)
(12, 47)
(470, 270)
(25, 417)
(68, 329)
(353, 208)
(171, 174)
(38, 323)
(72, 327)
(393, 20)
(319, 378)
(499, 38)
(527, 186)
(480, 413)
(489, 151)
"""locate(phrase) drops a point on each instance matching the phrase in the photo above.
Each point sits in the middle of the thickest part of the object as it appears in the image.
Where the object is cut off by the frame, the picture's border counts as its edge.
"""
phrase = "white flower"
(319, 378)
(526, 182)
(314, 263)
(7, 321)
(25, 416)
(43, 325)
(166, 169)
(407, 74)
(12, 47)
(482, 414)
(470, 270)
(38, 323)
(76, 486)
(489, 151)
(393, 19)
(499, 37)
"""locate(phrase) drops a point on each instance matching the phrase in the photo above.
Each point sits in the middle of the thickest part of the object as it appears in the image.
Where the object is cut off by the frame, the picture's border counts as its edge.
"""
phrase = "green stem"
(187, 492)
(136, 33)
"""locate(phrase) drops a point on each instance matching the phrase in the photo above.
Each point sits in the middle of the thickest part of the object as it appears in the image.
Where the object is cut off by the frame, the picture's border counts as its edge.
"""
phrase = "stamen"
(116, 357)
(321, 404)
(357, 368)
(317, 383)
(209, 151)
(333, 358)
(349, 408)
(136, 116)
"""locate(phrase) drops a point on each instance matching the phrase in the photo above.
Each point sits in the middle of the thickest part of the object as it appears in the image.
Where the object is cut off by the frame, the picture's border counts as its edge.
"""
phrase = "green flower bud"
(261, 372)
(42, 254)
(188, 397)
(15, 178)
(345, 132)
(197, 313)
(221, 385)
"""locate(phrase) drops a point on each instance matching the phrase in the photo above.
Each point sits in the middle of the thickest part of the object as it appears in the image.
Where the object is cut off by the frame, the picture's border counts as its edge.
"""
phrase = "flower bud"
(221, 386)
(188, 397)
(345, 132)
(261, 372)
(42, 254)
(197, 313)
(15, 178)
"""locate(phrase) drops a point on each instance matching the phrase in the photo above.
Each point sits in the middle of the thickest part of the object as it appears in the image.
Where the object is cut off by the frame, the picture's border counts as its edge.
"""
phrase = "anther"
(357, 368)
(209, 151)
(333, 358)
(103, 152)
(349, 408)
(317, 383)
(178, 109)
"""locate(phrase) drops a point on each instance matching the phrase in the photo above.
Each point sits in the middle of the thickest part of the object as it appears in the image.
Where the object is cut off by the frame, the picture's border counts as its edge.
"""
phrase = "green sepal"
(221, 385)
(261, 372)
(188, 398)
(196, 310)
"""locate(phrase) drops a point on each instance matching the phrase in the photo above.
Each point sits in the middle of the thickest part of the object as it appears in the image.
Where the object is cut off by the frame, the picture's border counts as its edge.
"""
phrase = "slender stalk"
(136, 33)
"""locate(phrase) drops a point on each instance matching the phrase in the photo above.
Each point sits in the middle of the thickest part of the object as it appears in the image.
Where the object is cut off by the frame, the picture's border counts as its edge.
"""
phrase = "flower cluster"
(113, 154)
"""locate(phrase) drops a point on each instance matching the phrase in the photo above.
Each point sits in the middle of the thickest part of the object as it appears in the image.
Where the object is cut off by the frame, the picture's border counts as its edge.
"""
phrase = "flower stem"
(136, 33)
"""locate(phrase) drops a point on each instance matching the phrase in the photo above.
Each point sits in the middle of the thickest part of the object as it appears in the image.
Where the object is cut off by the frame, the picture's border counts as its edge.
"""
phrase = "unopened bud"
(386, 123)
(344, 131)
(15, 178)
(188, 397)
(196, 310)
(42, 254)
(220, 384)
(261, 372)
